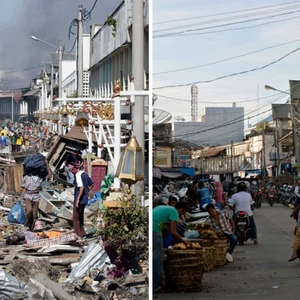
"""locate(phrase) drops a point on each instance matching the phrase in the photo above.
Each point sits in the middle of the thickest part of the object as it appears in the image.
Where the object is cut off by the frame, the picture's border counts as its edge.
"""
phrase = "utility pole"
(138, 69)
(138, 75)
(51, 86)
(277, 148)
(80, 53)
(231, 157)
(263, 153)
(60, 50)
(12, 106)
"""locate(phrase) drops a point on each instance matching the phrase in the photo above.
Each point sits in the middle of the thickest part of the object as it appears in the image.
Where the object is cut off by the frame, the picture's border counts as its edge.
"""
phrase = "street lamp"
(59, 50)
(268, 87)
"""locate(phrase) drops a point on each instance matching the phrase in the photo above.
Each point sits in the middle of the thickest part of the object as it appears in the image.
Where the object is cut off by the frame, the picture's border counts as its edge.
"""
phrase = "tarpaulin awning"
(171, 174)
(188, 171)
(212, 152)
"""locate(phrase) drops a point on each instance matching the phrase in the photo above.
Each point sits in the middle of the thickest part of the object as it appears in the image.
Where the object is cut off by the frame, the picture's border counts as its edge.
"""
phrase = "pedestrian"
(72, 158)
(13, 142)
(164, 216)
(19, 142)
(204, 195)
(3, 140)
(296, 245)
(219, 194)
(32, 185)
(192, 194)
(83, 184)
(222, 222)
(3, 131)
(242, 201)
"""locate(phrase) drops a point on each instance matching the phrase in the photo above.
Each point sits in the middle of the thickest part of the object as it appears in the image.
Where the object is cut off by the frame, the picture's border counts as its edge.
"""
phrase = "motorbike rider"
(253, 189)
(242, 201)
(271, 189)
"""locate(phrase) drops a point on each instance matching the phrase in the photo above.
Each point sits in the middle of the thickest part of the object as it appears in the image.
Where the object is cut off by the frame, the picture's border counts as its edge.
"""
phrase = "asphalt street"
(259, 271)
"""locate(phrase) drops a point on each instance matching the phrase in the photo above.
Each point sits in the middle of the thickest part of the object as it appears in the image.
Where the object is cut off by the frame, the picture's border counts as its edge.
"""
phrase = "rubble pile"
(62, 266)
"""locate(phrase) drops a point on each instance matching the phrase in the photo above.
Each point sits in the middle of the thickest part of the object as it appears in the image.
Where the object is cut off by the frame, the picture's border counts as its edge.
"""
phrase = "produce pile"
(182, 246)
(207, 233)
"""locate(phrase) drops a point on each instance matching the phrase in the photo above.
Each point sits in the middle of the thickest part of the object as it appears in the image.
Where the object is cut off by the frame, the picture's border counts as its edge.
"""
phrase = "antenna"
(194, 103)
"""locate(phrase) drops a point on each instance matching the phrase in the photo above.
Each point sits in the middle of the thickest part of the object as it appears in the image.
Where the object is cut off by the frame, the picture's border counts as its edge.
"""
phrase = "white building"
(111, 51)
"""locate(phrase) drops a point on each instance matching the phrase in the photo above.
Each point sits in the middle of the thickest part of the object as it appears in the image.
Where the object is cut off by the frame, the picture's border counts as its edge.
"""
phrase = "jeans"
(232, 242)
(157, 260)
(253, 229)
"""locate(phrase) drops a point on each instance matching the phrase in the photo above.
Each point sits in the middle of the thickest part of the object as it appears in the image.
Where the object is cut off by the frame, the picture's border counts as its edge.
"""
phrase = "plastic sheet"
(17, 214)
(93, 257)
(10, 287)
(192, 234)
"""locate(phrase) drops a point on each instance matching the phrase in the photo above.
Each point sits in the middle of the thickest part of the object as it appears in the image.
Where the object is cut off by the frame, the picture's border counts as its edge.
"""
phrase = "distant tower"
(194, 108)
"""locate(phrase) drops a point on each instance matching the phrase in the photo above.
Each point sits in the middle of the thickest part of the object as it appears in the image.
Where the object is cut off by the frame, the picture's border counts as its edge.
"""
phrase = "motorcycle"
(256, 196)
(271, 197)
(242, 225)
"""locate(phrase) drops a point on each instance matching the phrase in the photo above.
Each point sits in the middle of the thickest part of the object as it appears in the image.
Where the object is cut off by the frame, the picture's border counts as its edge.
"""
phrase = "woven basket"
(185, 279)
(208, 260)
(184, 255)
(220, 253)
(205, 243)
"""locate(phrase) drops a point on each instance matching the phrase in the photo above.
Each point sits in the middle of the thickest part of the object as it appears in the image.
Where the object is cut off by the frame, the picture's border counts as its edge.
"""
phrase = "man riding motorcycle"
(242, 201)
(271, 193)
(254, 192)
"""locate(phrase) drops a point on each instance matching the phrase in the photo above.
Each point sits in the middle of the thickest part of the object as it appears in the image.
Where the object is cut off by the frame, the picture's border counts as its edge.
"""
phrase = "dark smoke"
(46, 19)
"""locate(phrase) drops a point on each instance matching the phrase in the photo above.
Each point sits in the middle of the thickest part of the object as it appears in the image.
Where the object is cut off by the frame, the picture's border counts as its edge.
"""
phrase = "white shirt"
(242, 202)
(296, 191)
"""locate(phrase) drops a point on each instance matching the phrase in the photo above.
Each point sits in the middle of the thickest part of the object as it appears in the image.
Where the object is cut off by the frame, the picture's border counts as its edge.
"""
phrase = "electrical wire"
(223, 25)
(218, 20)
(87, 15)
(72, 46)
(21, 70)
(226, 59)
(224, 13)
(238, 28)
(229, 75)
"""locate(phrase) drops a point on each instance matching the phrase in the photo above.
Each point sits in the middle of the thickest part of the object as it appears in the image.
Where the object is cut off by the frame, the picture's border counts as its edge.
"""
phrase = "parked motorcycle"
(242, 225)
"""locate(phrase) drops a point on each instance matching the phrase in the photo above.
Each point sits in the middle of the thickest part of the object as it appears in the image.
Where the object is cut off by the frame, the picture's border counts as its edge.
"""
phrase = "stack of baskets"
(220, 253)
(209, 252)
(184, 270)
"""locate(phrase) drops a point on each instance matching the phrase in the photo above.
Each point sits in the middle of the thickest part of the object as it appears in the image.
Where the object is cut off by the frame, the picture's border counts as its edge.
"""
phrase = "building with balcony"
(111, 51)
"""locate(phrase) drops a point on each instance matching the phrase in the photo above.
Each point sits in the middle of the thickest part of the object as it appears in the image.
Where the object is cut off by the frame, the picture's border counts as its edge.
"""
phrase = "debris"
(36, 290)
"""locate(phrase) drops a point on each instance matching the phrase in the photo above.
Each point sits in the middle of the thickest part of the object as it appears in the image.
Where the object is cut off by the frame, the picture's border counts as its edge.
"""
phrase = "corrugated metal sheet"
(281, 111)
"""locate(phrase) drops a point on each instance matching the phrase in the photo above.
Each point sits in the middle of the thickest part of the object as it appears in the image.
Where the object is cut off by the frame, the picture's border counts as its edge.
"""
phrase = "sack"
(192, 234)
(36, 161)
(16, 214)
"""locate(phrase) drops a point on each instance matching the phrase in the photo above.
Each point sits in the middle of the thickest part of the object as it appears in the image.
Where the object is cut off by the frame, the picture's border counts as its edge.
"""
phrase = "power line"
(21, 70)
(222, 25)
(72, 46)
(226, 59)
(219, 20)
(238, 28)
(224, 13)
(219, 102)
(229, 75)
(87, 15)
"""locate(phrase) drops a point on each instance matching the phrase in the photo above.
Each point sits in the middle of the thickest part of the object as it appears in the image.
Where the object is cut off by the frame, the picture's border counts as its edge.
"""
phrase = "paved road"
(258, 271)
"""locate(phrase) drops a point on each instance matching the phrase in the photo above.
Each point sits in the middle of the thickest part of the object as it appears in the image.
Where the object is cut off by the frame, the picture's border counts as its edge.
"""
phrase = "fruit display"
(190, 246)
(209, 235)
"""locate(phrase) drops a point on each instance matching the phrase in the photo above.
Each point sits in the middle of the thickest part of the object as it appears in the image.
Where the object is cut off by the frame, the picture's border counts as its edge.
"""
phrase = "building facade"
(218, 126)
(111, 52)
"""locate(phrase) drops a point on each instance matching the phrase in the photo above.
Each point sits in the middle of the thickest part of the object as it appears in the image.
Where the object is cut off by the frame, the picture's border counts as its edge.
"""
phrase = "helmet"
(254, 183)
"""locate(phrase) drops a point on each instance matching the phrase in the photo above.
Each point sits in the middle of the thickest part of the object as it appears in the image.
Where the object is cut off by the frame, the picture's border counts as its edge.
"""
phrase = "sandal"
(293, 258)
(255, 242)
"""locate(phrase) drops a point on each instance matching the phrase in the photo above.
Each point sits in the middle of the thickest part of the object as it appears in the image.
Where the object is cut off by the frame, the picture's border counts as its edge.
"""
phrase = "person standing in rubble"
(72, 158)
(32, 185)
(83, 184)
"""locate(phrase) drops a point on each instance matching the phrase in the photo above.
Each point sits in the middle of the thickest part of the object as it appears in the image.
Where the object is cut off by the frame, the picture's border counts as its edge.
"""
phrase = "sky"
(47, 20)
(176, 52)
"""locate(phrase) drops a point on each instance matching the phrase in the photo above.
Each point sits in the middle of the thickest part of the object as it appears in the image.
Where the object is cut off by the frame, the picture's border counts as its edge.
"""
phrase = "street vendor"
(32, 185)
(164, 216)
(222, 223)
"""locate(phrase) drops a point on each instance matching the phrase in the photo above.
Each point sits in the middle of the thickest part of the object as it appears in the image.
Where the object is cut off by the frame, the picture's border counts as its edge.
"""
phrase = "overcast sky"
(176, 52)
(46, 19)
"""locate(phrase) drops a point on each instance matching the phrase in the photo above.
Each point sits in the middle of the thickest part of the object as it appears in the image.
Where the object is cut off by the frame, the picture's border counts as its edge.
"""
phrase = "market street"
(259, 271)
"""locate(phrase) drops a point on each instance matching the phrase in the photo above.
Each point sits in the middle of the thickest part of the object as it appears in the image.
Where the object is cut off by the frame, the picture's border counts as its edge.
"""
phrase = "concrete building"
(218, 126)
(10, 104)
(111, 51)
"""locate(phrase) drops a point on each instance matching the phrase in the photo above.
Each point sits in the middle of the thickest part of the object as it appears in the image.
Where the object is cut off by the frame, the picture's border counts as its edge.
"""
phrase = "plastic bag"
(192, 234)
(17, 214)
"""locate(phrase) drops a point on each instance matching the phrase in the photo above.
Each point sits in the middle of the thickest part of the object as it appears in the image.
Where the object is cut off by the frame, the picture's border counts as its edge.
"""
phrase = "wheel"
(241, 238)
(271, 203)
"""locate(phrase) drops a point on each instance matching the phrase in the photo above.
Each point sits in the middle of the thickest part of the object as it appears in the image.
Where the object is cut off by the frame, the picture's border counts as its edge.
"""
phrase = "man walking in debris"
(83, 184)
